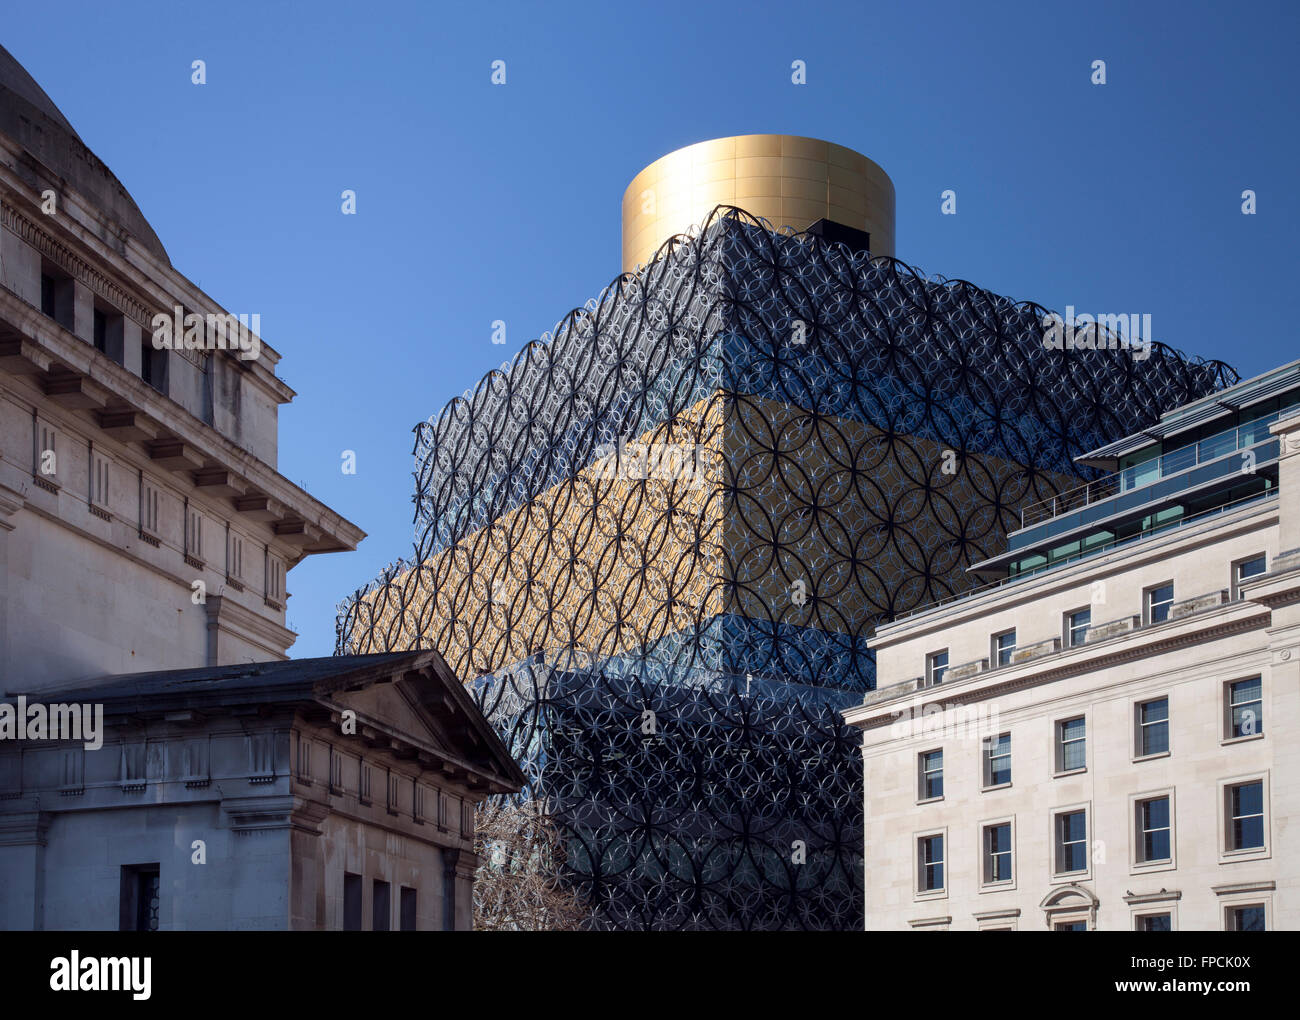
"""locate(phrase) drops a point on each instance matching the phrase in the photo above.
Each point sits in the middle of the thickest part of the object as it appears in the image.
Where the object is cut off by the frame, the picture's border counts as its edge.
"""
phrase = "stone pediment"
(392, 707)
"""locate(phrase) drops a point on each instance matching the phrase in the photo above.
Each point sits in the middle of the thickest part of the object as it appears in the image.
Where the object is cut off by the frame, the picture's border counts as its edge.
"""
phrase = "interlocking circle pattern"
(844, 436)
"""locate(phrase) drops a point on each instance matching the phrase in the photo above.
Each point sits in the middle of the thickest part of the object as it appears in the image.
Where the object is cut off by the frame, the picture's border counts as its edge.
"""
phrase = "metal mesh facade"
(697, 499)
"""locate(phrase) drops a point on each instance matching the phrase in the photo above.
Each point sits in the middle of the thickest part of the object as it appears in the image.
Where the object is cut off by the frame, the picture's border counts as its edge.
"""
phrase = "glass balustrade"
(1150, 471)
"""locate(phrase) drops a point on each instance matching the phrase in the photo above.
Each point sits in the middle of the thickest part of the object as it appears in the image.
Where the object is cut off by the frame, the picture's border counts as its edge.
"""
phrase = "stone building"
(146, 537)
(246, 797)
(1102, 737)
(124, 467)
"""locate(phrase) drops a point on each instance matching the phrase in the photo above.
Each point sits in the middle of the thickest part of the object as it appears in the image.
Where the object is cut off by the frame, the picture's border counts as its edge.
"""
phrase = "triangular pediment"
(413, 705)
(391, 708)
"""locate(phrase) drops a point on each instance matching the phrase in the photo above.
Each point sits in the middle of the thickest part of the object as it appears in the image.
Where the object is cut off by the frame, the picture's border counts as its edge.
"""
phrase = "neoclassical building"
(1101, 737)
(126, 468)
(146, 538)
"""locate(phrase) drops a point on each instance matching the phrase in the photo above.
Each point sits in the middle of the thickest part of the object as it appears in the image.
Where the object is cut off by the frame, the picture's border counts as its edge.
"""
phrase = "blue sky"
(478, 202)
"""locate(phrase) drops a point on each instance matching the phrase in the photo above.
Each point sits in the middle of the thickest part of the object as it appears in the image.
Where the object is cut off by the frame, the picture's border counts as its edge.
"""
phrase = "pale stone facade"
(127, 473)
(145, 540)
(244, 801)
(1148, 812)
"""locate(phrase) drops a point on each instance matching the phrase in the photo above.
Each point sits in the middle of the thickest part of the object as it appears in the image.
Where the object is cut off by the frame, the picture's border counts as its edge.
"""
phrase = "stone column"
(10, 503)
(1288, 479)
(22, 870)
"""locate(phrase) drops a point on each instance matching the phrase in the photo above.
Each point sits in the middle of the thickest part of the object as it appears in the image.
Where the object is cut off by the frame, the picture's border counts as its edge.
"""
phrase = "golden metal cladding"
(789, 180)
(772, 499)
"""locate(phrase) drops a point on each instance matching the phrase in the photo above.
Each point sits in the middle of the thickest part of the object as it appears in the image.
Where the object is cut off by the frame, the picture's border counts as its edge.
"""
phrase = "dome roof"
(30, 117)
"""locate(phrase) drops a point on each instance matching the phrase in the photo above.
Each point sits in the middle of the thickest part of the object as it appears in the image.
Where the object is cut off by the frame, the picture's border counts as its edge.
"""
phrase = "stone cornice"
(11, 501)
(84, 225)
(1163, 896)
(225, 614)
(274, 813)
(133, 303)
(1243, 888)
(28, 828)
(112, 380)
(431, 759)
(994, 915)
(73, 264)
(1128, 648)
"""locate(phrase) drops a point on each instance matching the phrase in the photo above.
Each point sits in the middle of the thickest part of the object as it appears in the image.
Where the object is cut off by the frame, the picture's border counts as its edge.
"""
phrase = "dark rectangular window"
(1071, 842)
(997, 852)
(101, 331)
(381, 907)
(997, 760)
(206, 367)
(140, 892)
(408, 908)
(1004, 646)
(1072, 745)
(1246, 816)
(1153, 727)
(153, 365)
(448, 891)
(1071, 926)
(930, 863)
(1251, 568)
(57, 298)
(1158, 602)
(1155, 922)
(936, 666)
(1249, 918)
(1246, 707)
(351, 902)
(931, 775)
(1077, 627)
(1153, 830)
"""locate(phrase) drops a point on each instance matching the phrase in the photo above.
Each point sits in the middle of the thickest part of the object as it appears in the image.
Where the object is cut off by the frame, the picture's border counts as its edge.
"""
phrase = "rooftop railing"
(1149, 533)
(1175, 461)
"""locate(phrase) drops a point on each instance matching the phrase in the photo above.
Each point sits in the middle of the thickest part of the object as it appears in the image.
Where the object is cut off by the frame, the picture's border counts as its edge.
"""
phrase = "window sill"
(931, 894)
(1064, 877)
(1254, 853)
(930, 800)
(1007, 885)
(1151, 757)
(1069, 772)
(1240, 740)
(996, 786)
(1149, 867)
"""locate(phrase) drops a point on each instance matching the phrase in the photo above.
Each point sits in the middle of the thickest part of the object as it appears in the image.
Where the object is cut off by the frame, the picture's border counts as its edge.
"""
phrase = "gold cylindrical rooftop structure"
(789, 180)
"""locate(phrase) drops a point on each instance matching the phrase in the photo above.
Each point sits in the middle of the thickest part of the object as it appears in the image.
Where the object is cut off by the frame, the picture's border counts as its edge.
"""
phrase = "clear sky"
(478, 202)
